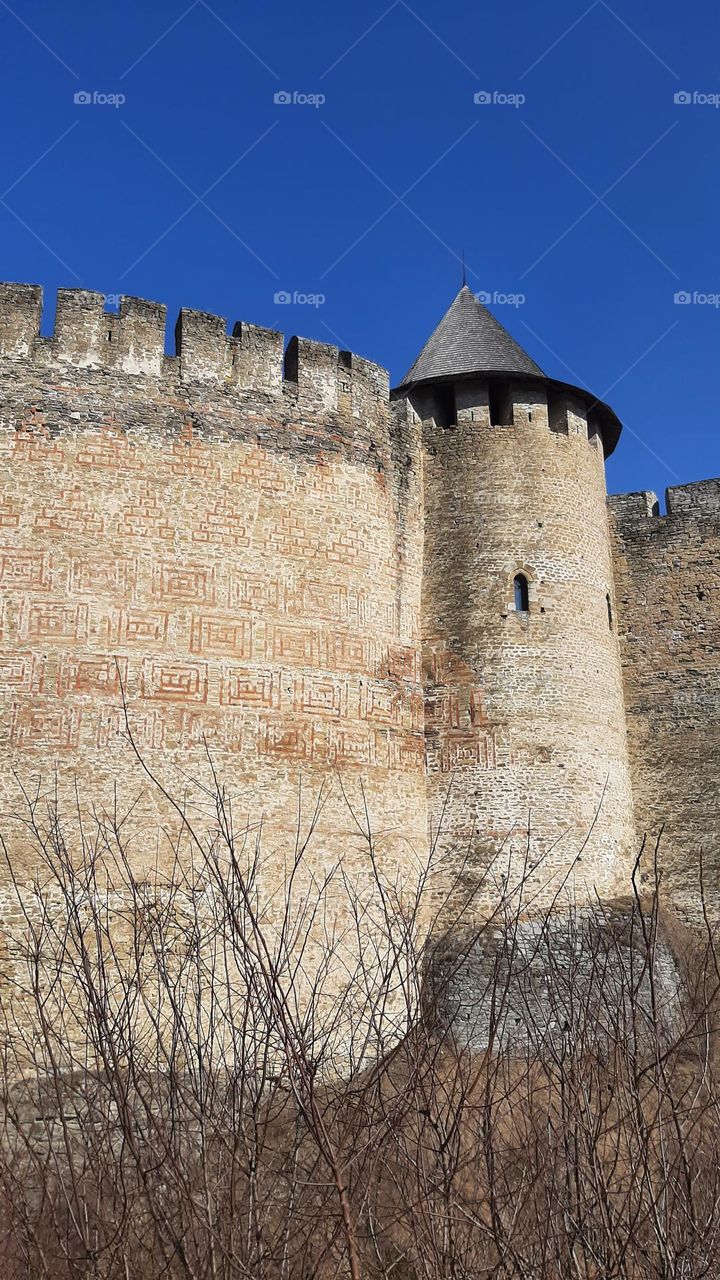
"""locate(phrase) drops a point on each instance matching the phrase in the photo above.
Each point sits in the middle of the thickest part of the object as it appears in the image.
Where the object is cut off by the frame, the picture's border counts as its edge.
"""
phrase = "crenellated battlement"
(701, 498)
(131, 341)
(641, 505)
(698, 500)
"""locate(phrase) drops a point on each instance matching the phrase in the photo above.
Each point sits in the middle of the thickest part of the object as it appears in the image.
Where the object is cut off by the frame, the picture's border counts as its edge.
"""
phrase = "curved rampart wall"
(233, 539)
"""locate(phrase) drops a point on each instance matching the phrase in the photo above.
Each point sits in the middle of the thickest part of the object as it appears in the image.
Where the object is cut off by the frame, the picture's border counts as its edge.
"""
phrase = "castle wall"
(526, 744)
(667, 573)
(251, 553)
(233, 545)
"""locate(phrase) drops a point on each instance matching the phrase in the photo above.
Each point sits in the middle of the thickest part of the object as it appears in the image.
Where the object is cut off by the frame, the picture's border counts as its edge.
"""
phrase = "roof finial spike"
(464, 275)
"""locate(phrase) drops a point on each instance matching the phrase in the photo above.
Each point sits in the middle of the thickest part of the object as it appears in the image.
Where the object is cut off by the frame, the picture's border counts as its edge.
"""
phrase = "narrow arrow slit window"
(522, 593)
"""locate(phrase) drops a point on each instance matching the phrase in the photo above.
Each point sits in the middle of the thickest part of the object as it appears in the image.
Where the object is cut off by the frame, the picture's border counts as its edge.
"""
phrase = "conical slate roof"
(469, 340)
(470, 343)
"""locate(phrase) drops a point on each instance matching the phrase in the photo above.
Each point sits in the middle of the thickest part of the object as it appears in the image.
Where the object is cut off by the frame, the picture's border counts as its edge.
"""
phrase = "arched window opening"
(608, 602)
(522, 593)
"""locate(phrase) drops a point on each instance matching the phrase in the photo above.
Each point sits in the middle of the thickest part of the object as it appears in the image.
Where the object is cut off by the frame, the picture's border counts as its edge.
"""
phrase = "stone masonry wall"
(526, 743)
(261, 556)
(231, 539)
(667, 572)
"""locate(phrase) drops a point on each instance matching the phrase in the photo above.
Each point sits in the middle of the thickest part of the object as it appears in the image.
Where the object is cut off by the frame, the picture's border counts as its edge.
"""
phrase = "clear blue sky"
(596, 198)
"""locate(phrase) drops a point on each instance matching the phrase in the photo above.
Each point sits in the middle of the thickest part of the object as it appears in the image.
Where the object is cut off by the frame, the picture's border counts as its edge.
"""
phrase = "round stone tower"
(525, 726)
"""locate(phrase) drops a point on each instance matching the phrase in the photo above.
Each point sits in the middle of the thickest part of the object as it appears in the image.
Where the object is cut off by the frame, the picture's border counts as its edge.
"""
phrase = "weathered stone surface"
(525, 730)
(261, 554)
(600, 971)
(667, 571)
(234, 552)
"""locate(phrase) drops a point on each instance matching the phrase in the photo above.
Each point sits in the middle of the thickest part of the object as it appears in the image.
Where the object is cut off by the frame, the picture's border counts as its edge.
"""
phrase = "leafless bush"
(207, 1079)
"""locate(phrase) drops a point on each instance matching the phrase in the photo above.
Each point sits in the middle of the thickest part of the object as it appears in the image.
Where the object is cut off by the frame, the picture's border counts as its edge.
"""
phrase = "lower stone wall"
(542, 981)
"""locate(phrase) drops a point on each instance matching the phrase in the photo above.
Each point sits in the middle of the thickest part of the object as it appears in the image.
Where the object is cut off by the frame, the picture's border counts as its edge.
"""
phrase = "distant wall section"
(667, 575)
